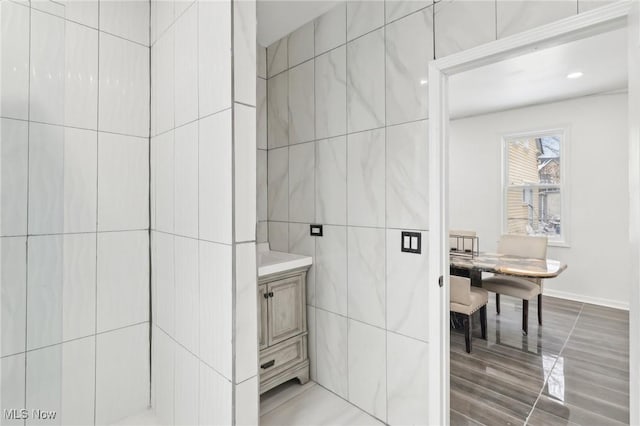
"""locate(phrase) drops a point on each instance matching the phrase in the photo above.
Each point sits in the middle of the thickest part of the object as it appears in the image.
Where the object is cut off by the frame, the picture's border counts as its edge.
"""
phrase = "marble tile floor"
(294, 405)
(573, 370)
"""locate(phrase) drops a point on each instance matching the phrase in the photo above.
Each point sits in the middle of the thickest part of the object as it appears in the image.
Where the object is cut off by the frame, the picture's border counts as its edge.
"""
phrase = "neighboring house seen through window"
(533, 185)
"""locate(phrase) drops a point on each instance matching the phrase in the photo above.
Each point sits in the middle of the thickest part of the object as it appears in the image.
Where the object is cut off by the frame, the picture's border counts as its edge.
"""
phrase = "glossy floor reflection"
(574, 369)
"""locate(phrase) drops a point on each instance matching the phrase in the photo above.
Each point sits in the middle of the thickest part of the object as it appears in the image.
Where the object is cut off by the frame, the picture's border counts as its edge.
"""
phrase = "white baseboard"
(587, 299)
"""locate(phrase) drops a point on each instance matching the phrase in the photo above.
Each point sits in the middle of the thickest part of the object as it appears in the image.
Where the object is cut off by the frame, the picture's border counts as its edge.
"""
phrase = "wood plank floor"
(572, 370)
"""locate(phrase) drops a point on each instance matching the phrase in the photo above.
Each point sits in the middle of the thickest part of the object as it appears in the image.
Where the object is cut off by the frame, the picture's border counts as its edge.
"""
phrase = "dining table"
(472, 266)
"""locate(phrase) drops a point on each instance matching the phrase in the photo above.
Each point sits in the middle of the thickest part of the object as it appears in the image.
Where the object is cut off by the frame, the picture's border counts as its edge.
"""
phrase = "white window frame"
(564, 133)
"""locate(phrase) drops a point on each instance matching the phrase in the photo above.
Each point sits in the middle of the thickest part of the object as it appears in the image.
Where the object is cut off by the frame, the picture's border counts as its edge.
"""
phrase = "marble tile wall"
(204, 159)
(348, 148)
(74, 120)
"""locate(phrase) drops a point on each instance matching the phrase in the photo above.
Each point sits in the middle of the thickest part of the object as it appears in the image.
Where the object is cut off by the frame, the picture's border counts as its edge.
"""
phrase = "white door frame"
(616, 15)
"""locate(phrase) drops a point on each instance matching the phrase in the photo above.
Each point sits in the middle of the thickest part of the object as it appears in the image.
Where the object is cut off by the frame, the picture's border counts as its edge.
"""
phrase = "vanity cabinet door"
(263, 296)
(286, 309)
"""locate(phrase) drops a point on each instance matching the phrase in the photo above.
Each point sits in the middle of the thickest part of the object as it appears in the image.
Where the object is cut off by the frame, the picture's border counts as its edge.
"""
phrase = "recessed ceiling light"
(574, 75)
(423, 82)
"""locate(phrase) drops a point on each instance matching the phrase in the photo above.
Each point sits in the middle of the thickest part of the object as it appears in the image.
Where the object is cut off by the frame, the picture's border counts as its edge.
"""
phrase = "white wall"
(597, 184)
(74, 216)
(203, 159)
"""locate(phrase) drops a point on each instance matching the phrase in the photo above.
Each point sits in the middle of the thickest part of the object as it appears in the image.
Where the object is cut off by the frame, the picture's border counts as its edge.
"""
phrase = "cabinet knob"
(270, 294)
(266, 295)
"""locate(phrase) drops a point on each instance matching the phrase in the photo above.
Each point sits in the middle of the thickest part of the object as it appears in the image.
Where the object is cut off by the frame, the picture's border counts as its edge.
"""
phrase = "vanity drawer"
(278, 358)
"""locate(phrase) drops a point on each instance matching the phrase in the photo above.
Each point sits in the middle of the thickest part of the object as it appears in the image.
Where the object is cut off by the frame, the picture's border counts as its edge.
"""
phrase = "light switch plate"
(315, 230)
(411, 242)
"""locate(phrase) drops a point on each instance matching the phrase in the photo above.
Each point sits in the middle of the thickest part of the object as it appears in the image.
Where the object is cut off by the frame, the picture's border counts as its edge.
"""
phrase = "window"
(534, 185)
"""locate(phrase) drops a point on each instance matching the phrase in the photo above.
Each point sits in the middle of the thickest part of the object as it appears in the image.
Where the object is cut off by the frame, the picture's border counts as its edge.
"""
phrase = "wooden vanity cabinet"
(283, 328)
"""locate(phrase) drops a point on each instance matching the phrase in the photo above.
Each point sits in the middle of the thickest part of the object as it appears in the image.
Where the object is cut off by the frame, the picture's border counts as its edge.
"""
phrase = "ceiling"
(541, 76)
(277, 18)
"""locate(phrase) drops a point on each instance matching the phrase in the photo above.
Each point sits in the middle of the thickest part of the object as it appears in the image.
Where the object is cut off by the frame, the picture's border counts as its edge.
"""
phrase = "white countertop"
(273, 262)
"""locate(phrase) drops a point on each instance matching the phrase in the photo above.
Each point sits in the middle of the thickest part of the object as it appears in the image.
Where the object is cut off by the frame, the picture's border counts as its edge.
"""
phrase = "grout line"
(151, 219)
(26, 295)
(95, 323)
(546, 379)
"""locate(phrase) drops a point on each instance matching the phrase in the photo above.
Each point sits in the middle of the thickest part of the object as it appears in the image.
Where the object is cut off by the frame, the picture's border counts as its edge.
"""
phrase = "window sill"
(560, 244)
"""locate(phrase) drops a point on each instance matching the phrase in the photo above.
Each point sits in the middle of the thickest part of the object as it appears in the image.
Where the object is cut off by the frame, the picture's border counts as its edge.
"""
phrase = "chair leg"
(540, 309)
(497, 303)
(483, 321)
(525, 316)
(467, 332)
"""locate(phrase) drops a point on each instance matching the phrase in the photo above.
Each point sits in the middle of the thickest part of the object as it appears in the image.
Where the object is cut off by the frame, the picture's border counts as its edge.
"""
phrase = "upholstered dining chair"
(533, 247)
(466, 300)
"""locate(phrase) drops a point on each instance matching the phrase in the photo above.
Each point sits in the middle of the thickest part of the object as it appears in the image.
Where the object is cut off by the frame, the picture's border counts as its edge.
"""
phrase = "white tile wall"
(517, 16)
(367, 368)
(215, 177)
(366, 275)
(261, 113)
(407, 67)
(214, 56)
(163, 177)
(460, 25)
(14, 291)
(186, 180)
(300, 47)
(277, 101)
(14, 136)
(330, 29)
(61, 378)
(407, 380)
(215, 398)
(301, 105)
(366, 178)
(186, 387)
(300, 242)
(56, 58)
(122, 373)
(407, 176)
(277, 57)
(244, 53)
(163, 82)
(186, 69)
(46, 179)
(124, 87)
(245, 172)
(12, 386)
(278, 184)
(331, 340)
(123, 279)
(366, 82)
(192, 227)
(331, 181)
(61, 288)
(406, 288)
(162, 380)
(47, 80)
(331, 270)
(127, 19)
(215, 306)
(81, 76)
(246, 311)
(363, 16)
(15, 60)
(331, 93)
(187, 293)
(302, 183)
(163, 261)
(123, 182)
(395, 9)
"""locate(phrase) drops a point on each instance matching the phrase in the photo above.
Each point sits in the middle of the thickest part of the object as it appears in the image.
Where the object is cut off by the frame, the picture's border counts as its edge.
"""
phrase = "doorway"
(571, 29)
